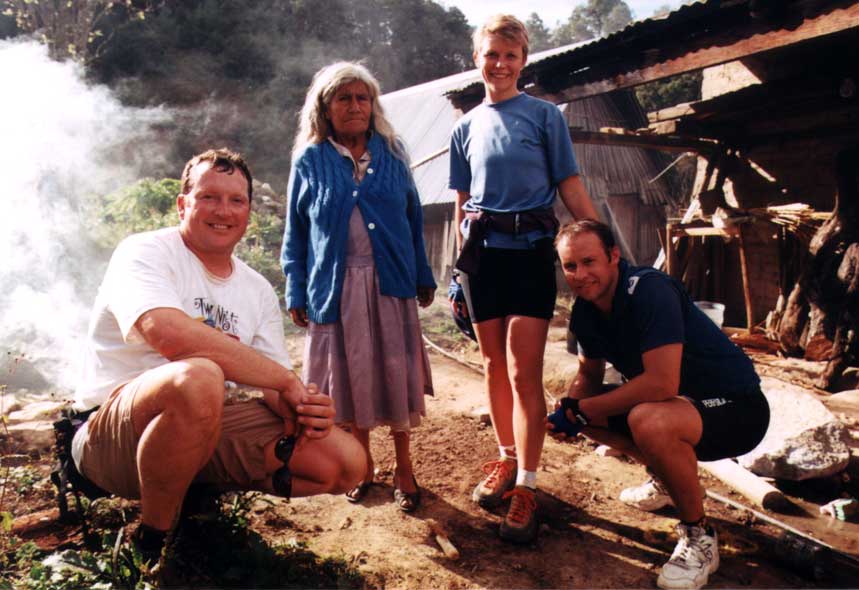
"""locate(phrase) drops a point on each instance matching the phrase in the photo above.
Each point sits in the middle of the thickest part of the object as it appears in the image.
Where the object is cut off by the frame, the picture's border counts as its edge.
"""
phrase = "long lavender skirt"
(372, 361)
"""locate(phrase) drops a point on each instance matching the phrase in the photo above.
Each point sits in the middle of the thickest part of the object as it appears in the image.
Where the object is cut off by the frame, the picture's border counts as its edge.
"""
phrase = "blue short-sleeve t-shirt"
(649, 310)
(511, 155)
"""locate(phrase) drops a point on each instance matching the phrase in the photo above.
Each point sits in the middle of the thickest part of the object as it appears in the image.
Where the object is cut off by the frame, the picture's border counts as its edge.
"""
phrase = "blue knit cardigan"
(322, 193)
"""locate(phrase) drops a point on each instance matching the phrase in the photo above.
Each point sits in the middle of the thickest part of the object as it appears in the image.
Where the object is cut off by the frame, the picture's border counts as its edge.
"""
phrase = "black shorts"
(733, 425)
(514, 282)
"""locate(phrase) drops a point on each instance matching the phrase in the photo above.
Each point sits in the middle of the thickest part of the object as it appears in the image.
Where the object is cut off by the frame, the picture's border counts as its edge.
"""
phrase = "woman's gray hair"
(313, 127)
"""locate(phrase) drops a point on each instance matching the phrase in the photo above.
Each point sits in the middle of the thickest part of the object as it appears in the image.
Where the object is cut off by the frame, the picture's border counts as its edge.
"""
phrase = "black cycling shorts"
(733, 425)
(514, 283)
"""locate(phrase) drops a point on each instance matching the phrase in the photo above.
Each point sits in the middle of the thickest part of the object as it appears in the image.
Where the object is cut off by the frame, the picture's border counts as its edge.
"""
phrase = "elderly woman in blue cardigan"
(354, 259)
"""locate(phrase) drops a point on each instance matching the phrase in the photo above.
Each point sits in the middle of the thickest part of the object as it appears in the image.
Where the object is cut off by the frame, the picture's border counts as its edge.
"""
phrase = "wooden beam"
(654, 142)
(675, 112)
(705, 50)
(721, 232)
(832, 125)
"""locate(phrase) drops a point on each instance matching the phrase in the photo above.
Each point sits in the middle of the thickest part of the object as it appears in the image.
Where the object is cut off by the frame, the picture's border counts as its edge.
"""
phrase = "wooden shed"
(777, 132)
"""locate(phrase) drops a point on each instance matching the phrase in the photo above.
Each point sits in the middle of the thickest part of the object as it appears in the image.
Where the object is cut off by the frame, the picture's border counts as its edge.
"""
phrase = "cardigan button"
(369, 170)
(371, 225)
(354, 193)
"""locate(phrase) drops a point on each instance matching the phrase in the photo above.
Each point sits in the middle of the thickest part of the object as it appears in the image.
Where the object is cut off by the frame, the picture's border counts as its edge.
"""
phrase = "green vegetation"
(216, 549)
(260, 248)
(666, 93)
(143, 206)
(151, 204)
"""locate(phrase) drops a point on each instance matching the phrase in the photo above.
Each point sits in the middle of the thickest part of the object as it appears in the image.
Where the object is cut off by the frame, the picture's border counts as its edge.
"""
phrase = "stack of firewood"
(798, 218)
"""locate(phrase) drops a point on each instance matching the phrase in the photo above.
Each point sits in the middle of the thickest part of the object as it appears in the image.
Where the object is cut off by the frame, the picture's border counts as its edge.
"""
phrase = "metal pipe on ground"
(802, 553)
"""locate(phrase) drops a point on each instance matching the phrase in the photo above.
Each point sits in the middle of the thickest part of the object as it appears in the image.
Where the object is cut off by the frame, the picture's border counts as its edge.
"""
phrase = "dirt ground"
(588, 539)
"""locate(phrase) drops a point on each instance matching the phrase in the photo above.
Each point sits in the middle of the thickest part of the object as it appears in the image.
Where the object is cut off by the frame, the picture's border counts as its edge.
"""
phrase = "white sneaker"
(649, 496)
(694, 559)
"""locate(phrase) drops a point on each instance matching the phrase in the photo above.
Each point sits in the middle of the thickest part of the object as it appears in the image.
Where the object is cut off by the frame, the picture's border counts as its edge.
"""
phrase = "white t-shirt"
(155, 269)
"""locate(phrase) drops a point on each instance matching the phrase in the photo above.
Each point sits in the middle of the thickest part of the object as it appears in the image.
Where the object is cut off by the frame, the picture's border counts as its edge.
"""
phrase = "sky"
(551, 11)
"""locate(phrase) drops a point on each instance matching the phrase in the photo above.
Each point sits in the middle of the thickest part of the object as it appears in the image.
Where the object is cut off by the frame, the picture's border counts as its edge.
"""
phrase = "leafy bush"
(143, 206)
(151, 204)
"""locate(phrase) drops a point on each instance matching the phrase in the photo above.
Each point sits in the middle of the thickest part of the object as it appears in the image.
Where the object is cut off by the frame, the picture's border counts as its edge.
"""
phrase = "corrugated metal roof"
(423, 117)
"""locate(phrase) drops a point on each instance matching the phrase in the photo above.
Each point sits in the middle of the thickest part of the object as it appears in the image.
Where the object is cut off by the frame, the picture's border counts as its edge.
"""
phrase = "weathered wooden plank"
(656, 142)
(679, 110)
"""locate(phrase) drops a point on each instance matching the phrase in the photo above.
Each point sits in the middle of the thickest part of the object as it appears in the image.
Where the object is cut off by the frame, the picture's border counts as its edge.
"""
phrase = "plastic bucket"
(714, 311)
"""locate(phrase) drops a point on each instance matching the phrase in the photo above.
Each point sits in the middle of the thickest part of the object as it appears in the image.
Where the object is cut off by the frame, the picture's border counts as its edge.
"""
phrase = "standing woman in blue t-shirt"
(509, 157)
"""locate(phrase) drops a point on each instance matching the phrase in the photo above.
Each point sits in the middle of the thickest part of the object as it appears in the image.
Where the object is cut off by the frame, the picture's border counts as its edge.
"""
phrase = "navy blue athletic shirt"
(649, 310)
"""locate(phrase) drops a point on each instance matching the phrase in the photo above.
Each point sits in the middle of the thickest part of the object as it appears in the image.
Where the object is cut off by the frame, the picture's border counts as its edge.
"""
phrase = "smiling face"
(591, 271)
(500, 61)
(214, 214)
(350, 110)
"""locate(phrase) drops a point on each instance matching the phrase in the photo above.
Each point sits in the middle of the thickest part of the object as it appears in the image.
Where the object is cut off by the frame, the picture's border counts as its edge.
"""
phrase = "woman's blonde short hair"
(314, 127)
(505, 26)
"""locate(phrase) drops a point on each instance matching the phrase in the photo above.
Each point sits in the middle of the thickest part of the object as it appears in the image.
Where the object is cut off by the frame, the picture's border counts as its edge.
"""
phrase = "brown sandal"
(408, 501)
(357, 493)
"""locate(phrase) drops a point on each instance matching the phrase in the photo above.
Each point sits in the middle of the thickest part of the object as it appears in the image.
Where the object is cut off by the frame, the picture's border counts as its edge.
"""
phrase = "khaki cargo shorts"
(108, 455)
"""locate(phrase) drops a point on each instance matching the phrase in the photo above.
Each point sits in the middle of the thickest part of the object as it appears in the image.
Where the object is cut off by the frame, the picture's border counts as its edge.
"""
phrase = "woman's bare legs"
(492, 337)
(526, 343)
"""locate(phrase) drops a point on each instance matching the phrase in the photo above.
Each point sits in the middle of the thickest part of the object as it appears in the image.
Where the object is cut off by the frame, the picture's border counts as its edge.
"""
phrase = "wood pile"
(798, 218)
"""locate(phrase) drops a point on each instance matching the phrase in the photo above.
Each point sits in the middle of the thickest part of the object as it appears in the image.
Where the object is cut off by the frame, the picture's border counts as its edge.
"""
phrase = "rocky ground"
(588, 539)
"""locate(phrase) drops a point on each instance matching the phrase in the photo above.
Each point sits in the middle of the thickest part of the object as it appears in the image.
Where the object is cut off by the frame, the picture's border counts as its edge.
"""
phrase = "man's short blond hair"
(507, 27)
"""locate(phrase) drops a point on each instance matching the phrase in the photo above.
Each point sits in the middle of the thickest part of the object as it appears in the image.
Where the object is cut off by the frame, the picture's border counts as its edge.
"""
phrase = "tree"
(75, 29)
(392, 36)
(595, 19)
(669, 92)
(235, 73)
(8, 26)
(538, 33)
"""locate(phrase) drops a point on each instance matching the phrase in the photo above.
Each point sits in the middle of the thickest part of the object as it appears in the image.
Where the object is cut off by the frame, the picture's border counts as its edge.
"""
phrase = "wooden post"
(744, 269)
(747, 483)
(670, 251)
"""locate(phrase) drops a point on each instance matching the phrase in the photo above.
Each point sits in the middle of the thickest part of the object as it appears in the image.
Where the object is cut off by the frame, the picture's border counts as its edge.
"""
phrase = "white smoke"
(63, 143)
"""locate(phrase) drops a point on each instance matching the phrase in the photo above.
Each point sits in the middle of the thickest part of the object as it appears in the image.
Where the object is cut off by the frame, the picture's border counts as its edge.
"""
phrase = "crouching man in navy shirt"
(689, 393)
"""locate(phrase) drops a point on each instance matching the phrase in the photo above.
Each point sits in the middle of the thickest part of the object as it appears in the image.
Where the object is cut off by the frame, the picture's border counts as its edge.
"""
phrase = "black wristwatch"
(572, 404)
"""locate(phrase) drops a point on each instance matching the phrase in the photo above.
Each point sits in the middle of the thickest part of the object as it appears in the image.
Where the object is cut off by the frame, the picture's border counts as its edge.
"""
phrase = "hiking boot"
(694, 559)
(649, 496)
(520, 524)
(500, 478)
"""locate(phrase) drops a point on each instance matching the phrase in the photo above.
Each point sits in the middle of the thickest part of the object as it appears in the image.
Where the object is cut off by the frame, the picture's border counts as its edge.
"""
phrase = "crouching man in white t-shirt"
(178, 321)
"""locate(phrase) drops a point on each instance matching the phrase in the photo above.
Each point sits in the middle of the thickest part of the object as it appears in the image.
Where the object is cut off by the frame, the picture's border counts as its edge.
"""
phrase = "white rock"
(845, 402)
(804, 439)
(607, 451)
(36, 434)
(45, 410)
(482, 415)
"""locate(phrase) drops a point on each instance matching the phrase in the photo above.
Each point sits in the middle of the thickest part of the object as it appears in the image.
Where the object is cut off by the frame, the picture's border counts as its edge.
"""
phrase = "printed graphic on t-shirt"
(217, 316)
(633, 281)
